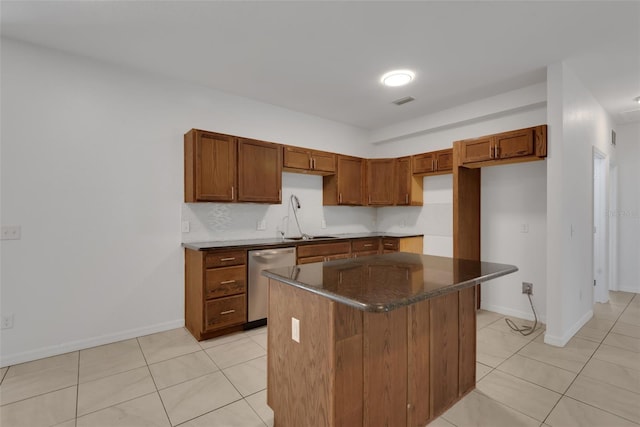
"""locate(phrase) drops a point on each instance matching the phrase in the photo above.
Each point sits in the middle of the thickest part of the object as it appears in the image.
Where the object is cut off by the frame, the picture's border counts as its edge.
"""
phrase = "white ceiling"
(325, 58)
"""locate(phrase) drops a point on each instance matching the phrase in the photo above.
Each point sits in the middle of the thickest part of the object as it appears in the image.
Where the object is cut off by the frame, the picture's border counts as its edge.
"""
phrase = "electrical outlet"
(11, 232)
(323, 224)
(185, 226)
(524, 228)
(261, 225)
(527, 288)
(7, 321)
(295, 329)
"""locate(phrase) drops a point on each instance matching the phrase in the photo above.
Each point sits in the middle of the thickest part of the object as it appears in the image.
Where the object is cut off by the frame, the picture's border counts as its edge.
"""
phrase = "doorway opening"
(600, 228)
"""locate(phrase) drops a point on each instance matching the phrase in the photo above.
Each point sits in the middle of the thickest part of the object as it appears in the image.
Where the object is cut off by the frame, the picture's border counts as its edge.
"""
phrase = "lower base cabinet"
(215, 292)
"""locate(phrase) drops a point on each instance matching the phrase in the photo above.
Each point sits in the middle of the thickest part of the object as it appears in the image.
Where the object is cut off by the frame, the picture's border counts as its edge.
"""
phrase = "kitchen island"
(385, 340)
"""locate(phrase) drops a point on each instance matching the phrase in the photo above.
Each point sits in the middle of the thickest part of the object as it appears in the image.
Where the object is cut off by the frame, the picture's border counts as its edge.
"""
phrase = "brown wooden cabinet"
(381, 182)
(433, 163)
(321, 252)
(346, 186)
(226, 168)
(409, 187)
(507, 147)
(209, 167)
(365, 247)
(215, 292)
(402, 244)
(302, 160)
(403, 367)
(259, 171)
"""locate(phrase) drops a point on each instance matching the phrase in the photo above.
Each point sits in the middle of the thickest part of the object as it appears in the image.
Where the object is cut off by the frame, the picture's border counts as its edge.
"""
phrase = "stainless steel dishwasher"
(259, 285)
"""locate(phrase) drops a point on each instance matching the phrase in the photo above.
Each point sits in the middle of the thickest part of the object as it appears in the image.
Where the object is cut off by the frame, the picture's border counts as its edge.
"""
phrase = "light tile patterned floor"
(170, 379)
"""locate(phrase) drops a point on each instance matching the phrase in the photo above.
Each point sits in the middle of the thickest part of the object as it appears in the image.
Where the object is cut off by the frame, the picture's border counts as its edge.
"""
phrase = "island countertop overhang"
(381, 283)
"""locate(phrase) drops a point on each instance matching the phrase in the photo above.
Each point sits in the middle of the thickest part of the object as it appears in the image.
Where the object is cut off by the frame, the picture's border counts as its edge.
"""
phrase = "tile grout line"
(75, 420)
(154, 382)
(582, 369)
(496, 368)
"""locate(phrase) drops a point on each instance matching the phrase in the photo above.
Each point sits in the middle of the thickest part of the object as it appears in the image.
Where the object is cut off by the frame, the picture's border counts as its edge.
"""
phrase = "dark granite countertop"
(382, 283)
(275, 242)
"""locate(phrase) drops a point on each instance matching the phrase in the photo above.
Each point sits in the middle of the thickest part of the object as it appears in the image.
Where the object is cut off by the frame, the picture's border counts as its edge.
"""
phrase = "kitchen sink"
(310, 238)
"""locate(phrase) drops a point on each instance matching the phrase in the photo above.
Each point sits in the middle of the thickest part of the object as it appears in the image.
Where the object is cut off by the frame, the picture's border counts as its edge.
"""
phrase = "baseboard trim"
(54, 350)
(564, 339)
(631, 289)
(527, 315)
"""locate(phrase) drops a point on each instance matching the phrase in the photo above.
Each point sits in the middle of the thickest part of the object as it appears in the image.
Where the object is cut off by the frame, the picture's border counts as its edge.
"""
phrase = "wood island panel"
(300, 376)
(385, 368)
(403, 367)
(444, 364)
(418, 351)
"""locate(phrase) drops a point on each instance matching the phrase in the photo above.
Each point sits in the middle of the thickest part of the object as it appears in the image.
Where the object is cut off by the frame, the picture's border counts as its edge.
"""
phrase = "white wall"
(577, 123)
(92, 171)
(228, 221)
(511, 195)
(627, 213)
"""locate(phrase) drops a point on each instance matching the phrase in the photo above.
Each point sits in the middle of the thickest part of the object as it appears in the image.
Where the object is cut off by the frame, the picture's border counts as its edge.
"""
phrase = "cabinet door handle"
(228, 259)
(369, 198)
(368, 245)
(436, 168)
(310, 163)
(313, 163)
(406, 198)
(340, 198)
(432, 165)
(497, 151)
(227, 312)
(226, 282)
(490, 151)
(232, 192)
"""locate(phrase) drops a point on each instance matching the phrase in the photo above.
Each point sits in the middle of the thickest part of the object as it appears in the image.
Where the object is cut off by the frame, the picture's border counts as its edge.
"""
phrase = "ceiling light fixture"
(397, 78)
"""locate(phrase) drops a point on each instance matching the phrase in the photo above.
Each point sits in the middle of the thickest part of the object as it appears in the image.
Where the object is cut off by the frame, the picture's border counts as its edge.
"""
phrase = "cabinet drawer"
(365, 253)
(222, 282)
(224, 259)
(390, 244)
(228, 311)
(310, 259)
(365, 245)
(324, 249)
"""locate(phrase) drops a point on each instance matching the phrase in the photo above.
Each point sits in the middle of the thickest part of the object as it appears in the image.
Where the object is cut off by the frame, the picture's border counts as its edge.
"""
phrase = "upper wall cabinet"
(209, 167)
(507, 147)
(225, 168)
(433, 163)
(259, 171)
(408, 186)
(302, 160)
(381, 182)
(346, 186)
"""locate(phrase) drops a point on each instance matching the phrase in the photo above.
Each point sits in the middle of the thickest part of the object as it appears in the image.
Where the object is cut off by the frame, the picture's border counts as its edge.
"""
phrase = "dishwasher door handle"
(271, 253)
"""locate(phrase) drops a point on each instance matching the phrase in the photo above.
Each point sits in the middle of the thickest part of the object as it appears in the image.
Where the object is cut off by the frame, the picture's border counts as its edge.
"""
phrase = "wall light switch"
(185, 226)
(295, 329)
(11, 232)
(323, 224)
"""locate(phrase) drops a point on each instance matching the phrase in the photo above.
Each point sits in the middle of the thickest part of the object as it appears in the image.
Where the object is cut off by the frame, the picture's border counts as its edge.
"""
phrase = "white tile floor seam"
(605, 356)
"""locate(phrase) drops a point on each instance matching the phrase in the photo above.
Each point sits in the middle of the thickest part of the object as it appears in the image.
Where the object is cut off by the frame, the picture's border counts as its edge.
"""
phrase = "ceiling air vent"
(404, 100)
